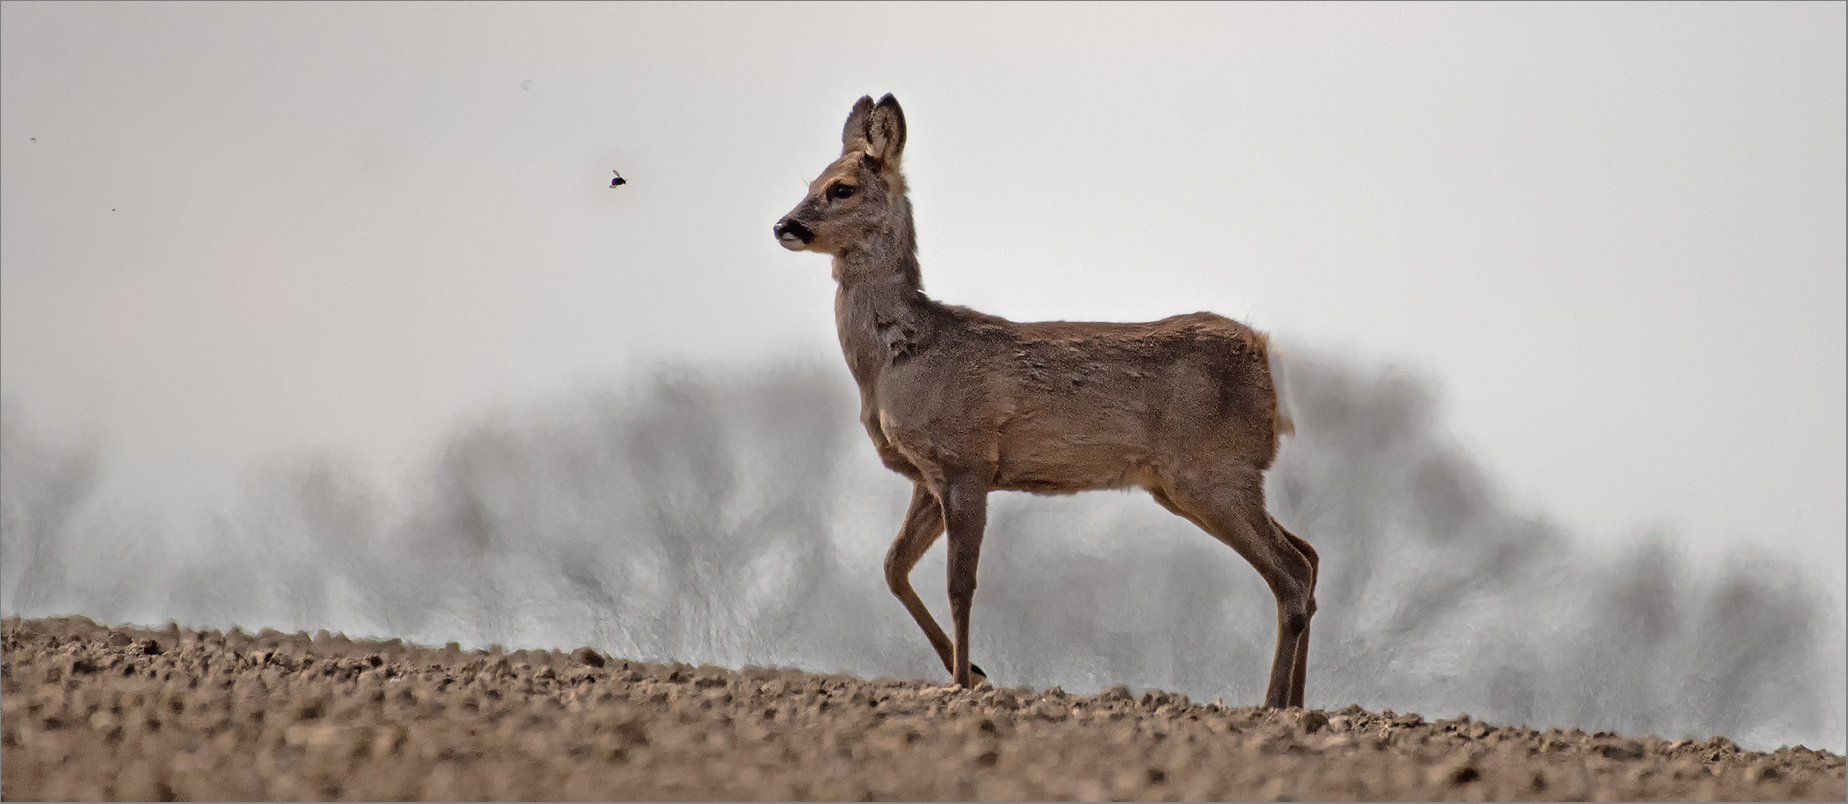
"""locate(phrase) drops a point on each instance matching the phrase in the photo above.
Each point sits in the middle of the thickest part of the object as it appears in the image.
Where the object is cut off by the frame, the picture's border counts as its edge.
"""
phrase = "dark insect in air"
(618, 181)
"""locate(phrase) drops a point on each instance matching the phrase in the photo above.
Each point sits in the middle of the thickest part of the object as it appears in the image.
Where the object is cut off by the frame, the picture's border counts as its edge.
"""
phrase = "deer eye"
(840, 191)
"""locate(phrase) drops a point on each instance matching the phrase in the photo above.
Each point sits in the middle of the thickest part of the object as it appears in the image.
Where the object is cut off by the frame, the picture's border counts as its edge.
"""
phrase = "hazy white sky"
(1614, 233)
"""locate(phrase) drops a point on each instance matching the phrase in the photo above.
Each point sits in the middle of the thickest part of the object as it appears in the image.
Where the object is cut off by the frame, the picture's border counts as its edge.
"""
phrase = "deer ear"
(854, 135)
(885, 133)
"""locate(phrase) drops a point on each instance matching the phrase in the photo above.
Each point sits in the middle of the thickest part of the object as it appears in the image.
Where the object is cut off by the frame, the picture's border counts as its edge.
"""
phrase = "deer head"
(859, 199)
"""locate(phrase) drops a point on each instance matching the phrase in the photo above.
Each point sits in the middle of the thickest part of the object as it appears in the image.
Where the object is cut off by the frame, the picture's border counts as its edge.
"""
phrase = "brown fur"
(964, 403)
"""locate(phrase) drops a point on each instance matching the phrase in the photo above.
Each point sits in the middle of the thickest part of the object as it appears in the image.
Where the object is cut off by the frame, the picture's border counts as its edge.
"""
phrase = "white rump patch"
(1286, 414)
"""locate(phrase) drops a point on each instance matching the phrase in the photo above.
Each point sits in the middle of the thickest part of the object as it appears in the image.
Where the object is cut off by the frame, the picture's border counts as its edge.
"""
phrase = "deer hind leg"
(923, 524)
(1302, 644)
(1230, 506)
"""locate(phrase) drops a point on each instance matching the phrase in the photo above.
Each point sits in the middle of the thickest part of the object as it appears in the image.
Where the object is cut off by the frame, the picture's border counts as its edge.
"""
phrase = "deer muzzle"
(792, 234)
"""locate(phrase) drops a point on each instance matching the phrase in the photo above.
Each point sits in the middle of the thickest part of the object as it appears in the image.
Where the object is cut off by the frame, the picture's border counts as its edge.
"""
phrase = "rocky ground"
(90, 712)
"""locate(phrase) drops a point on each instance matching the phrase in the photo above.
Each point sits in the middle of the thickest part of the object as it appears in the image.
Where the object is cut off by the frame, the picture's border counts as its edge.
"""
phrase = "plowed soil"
(89, 712)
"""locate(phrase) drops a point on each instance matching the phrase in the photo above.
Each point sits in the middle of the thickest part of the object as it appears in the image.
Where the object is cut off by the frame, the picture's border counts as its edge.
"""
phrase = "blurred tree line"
(743, 520)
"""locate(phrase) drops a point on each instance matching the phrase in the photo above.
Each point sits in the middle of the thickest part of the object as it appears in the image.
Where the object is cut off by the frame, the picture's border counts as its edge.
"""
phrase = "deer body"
(963, 403)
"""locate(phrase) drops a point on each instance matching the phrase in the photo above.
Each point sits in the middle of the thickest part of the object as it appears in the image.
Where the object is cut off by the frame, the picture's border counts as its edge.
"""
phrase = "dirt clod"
(1462, 774)
(1618, 748)
(88, 712)
(1313, 721)
(586, 656)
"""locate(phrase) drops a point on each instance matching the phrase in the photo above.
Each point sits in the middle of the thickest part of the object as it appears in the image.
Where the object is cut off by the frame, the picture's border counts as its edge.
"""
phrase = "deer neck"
(880, 309)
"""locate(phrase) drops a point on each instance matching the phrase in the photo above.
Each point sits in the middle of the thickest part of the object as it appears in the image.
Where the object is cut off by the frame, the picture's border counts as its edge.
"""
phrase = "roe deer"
(963, 403)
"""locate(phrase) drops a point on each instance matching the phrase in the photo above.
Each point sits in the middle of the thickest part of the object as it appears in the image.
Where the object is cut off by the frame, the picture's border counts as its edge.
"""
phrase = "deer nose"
(791, 231)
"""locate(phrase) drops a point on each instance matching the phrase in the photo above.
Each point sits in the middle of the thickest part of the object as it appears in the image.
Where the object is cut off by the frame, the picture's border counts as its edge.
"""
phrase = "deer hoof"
(976, 676)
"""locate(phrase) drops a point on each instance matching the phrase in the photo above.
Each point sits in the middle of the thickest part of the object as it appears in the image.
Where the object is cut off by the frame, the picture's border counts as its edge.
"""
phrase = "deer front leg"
(923, 524)
(965, 509)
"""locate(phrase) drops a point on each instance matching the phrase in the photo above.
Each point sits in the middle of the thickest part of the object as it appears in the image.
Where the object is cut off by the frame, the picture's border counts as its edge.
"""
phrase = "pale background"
(1614, 233)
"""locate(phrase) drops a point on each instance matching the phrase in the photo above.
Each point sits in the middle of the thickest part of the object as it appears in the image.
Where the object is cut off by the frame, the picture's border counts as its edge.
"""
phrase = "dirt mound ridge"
(90, 712)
